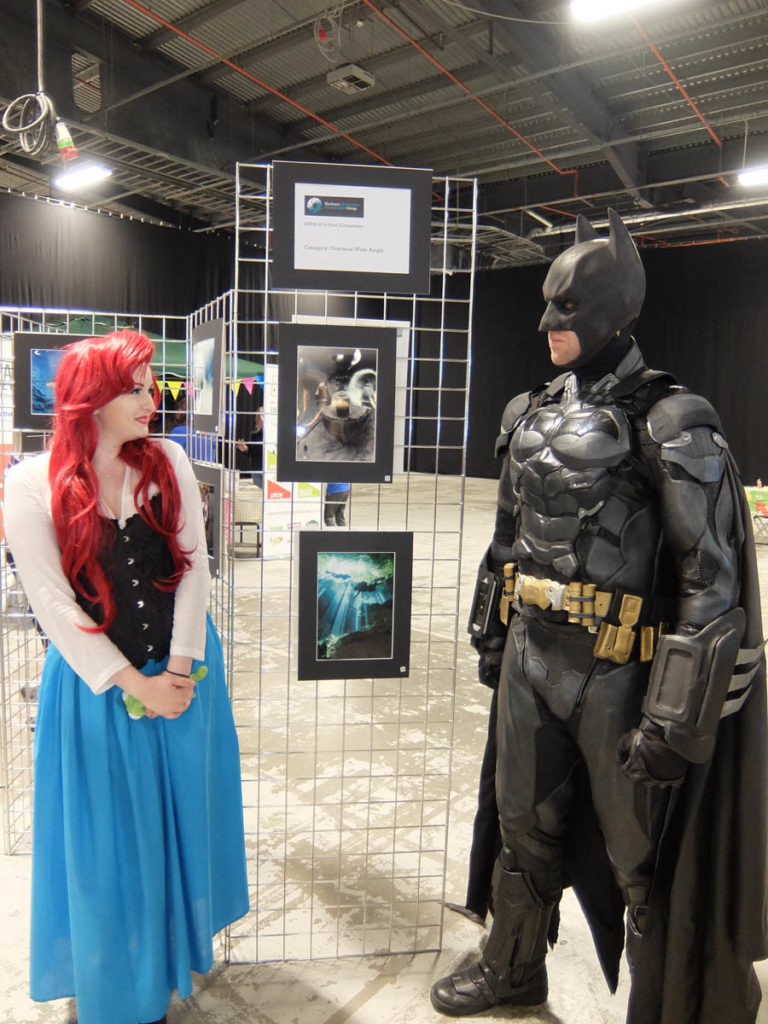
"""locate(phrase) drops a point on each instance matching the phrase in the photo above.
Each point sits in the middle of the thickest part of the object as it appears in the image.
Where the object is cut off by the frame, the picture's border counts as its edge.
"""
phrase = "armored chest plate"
(565, 463)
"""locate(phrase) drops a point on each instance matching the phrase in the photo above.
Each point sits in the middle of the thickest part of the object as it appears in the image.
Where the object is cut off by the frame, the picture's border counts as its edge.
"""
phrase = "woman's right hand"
(170, 695)
(165, 695)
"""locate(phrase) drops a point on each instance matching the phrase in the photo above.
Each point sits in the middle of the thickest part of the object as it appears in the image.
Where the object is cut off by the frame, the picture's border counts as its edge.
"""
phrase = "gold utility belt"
(586, 606)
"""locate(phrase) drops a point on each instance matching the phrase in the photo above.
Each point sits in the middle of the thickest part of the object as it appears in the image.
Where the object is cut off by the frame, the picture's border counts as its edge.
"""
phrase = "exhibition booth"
(341, 356)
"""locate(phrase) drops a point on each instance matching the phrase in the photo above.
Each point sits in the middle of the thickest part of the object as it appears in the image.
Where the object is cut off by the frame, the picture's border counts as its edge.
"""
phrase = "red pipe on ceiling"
(675, 79)
(655, 51)
(247, 74)
(481, 103)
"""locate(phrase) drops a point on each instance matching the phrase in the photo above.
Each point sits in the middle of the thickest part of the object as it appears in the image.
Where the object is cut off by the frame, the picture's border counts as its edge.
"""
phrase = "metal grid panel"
(346, 782)
(21, 645)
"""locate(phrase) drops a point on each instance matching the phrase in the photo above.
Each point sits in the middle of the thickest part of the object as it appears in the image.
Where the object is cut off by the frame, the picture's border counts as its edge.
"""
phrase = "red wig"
(91, 374)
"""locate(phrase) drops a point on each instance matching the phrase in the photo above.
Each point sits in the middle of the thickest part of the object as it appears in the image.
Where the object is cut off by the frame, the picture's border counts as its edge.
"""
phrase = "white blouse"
(32, 540)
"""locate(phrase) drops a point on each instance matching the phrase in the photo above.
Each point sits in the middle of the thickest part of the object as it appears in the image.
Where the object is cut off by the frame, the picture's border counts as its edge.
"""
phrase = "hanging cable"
(32, 117)
(327, 33)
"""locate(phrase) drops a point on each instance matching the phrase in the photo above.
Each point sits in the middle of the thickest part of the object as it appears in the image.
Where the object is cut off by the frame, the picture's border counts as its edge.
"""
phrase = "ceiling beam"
(690, 176)
(186, 24)
(572, 88)
(377, 100)
(377, 63)
(254, 53)
(175, 119)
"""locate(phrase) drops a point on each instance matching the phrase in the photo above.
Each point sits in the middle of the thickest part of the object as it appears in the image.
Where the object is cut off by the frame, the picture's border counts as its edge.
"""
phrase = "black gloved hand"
(645, 756)
(489, 668)
(490, 650)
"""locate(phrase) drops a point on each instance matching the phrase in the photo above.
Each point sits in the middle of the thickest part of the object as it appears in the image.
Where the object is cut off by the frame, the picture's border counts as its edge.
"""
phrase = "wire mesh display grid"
(22, 646)
(346, 782)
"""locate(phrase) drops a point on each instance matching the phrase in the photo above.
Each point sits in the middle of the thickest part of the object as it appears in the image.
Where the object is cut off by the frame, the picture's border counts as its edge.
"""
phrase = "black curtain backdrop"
(705, 320)
(63, 258)
(438, 375)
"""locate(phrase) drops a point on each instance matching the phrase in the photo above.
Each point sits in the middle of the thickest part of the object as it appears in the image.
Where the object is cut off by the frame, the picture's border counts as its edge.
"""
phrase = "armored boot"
(511, 970)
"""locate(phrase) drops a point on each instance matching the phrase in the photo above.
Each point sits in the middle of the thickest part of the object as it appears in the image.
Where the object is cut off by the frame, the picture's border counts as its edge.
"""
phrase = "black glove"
(489, 668)
(645, 756)
(490, 650)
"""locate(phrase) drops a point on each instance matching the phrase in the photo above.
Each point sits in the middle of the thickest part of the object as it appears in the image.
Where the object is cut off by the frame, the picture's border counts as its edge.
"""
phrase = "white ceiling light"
(592, 10)
(754, 176)
(80, 177)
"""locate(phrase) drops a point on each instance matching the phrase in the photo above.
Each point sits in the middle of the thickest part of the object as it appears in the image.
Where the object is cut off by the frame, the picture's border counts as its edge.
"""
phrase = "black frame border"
(208, 422)
(212, 475)
(290, 337)
(286, 174)
(311, 544)
(23, 343)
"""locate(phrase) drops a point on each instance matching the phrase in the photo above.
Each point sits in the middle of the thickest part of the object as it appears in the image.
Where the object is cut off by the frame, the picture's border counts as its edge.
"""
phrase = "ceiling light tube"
(753, 176)
(539, 218)
(80, 177)
(593, 10)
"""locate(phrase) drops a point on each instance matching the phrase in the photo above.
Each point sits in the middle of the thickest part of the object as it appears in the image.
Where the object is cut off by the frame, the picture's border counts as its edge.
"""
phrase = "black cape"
(707, 915)
(706, 921)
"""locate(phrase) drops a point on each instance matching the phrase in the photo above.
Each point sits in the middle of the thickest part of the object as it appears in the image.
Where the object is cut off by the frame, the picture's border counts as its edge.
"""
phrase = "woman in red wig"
(138, 851)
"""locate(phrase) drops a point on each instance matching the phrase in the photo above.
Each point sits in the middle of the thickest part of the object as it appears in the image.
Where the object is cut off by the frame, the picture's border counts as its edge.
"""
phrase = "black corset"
(134, 557)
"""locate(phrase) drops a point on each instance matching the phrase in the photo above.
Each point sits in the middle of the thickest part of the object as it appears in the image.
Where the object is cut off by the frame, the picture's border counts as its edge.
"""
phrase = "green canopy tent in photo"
(170, 356)
(171, 360)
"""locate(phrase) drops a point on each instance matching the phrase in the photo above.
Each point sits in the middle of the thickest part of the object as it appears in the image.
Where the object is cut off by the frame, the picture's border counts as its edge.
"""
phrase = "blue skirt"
(138, 851)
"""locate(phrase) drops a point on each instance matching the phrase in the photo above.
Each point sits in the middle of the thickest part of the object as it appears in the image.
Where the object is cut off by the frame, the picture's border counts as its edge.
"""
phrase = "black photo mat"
(352, 217)
(354, 604)
(336, 403)
(209, 483)
(206, 347)
(36, 358)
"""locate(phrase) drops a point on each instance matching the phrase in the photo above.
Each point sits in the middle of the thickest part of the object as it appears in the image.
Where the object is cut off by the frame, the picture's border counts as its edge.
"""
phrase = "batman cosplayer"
(631, 702)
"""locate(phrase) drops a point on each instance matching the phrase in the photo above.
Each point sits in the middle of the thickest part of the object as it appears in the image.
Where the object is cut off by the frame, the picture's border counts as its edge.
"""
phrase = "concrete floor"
(374, 989)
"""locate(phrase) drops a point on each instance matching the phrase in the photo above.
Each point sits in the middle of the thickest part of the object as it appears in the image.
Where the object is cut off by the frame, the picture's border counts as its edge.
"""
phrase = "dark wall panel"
(508, 355)
(705, 320)
(56, 256)
(705, 317)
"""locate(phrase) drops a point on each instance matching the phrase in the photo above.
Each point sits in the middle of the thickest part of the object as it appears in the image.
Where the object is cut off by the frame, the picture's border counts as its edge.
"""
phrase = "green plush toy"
(136, 709)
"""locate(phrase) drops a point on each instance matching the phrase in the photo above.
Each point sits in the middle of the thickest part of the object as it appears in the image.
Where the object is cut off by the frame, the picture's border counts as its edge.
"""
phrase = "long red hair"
(91, 374)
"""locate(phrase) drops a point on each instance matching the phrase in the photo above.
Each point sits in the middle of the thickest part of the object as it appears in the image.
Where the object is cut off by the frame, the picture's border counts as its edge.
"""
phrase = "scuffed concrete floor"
(371, 990)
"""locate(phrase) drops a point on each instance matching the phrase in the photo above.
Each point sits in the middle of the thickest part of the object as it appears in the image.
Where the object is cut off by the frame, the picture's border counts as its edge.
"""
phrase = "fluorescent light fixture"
(539, 218)
(592, 10)
(753, 176)
(80, 177)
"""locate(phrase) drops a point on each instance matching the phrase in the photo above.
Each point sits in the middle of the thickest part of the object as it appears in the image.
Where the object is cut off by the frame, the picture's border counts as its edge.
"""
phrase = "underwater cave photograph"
(354, 604)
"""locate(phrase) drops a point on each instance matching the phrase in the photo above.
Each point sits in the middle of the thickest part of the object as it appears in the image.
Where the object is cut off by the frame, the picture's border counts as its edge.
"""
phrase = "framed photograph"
(354, 604)
(335, 403)
(36, 358)
(209, 482)
(402, 348)
(351, 227)
(206, 354)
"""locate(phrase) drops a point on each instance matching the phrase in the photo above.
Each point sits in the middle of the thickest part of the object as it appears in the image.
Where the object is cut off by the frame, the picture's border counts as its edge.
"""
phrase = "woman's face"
(126, 418)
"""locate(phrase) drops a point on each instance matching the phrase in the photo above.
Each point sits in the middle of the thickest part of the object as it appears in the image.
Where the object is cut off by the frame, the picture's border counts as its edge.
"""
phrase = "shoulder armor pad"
(514, 410)
(677, 412)
(630, 385)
